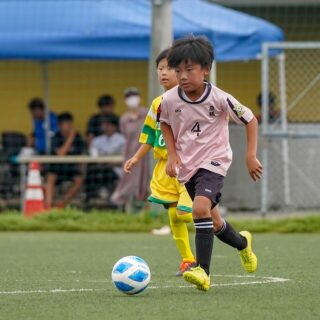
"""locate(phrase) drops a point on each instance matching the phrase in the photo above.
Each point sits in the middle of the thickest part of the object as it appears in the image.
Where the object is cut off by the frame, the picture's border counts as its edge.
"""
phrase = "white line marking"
(50, 291)
(255, 280)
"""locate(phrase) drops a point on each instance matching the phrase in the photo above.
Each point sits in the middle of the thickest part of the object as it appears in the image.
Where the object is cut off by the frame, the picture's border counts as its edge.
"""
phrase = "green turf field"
(67, 276)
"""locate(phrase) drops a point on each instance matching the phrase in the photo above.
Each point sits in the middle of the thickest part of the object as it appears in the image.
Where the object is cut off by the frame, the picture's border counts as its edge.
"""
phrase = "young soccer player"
(165, 190)
(194, 121)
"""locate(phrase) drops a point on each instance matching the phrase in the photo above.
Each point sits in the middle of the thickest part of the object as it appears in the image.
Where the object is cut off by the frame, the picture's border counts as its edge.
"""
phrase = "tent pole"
(264, 195)
(213, 73)
(284, 127)
(45, 88)
(161, 39)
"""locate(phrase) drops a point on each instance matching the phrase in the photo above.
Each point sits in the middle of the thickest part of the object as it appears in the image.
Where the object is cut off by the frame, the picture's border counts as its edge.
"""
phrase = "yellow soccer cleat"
(248, 259)
(198, 277)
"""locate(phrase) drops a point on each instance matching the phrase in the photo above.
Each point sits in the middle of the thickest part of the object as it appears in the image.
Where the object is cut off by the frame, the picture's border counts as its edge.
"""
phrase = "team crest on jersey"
(211, 111)
(239, 109)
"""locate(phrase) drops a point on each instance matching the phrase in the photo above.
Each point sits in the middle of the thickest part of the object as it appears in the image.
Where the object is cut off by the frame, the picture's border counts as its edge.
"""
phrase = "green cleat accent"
(248, 259)
(198, 277)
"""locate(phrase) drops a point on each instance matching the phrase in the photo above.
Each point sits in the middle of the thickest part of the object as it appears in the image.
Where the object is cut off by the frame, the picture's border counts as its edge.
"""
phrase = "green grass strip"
(97, 221)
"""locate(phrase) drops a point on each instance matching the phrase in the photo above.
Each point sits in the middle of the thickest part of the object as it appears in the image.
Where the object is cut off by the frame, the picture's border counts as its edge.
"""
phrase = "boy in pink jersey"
(194, 121)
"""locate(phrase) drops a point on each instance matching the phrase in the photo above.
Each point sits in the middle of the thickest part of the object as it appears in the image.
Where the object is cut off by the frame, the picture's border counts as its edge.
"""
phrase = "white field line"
(255, 280)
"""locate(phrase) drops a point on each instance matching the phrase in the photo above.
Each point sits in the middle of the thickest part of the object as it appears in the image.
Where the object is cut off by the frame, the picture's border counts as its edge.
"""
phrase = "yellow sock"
(185, 217)
(180, 235)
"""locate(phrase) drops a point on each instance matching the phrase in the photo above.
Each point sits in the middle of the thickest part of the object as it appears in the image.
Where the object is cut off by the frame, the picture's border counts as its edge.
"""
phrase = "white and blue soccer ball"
(131, 275)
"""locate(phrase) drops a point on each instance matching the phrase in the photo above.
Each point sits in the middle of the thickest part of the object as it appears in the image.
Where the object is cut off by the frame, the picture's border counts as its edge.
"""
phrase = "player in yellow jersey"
(166, 190)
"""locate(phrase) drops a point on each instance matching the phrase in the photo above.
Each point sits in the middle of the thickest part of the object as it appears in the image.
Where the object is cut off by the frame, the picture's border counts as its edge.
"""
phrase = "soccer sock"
(186, 217)
(180, 235)
(231, 237)
(204, 242)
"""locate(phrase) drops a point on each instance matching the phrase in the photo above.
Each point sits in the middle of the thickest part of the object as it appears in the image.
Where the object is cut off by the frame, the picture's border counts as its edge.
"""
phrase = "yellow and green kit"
(164, 189)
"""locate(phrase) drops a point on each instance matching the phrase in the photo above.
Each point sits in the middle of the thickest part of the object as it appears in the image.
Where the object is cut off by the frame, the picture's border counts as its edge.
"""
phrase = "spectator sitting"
(110, 142)
(273, 113)
(106, 104)
(65, 142)
(38, 137)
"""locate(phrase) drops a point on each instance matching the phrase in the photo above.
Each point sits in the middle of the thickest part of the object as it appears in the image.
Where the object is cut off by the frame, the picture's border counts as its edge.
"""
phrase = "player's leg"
(203, 242)
(50, 187)
(183, 216)
(164, 192)
(203, 188)
(239, 240)
(181, 237)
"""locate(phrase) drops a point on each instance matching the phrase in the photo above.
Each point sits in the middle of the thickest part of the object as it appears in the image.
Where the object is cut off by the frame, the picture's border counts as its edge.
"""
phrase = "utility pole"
(161, 38)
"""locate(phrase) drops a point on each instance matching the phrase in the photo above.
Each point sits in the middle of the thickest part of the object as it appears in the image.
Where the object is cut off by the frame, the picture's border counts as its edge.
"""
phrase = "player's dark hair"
(196, 49)
(105, 100)
(36, 103)
(65, 117)
(162, 55)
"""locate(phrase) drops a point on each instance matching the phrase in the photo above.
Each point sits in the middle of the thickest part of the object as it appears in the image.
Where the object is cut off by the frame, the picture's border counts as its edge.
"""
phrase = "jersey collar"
(204, 96)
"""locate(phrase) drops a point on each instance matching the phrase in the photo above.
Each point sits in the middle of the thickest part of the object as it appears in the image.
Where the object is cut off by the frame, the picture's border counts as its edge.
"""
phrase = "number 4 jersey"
(151, 133)
(200, 128)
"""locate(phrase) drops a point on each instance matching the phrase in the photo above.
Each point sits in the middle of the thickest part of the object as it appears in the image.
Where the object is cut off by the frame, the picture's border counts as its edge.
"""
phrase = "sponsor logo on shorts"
(215, 163)
(208, 190)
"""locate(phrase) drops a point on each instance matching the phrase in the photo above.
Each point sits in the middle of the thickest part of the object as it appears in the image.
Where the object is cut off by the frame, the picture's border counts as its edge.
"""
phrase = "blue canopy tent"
(120, 29)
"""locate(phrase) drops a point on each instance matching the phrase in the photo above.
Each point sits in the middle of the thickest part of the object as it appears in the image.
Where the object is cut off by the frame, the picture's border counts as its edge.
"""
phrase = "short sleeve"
(148, 132)
(238, 112)
(163, 112)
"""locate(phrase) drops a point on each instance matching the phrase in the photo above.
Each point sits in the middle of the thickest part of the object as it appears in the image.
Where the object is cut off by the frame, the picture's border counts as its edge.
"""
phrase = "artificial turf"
(51, 275)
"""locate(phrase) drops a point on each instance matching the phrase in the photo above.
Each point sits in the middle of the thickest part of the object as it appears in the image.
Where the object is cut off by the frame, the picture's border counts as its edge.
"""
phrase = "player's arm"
(243, 115)
(142, 151)
(173, 159)
(253, 164)
(146, 139)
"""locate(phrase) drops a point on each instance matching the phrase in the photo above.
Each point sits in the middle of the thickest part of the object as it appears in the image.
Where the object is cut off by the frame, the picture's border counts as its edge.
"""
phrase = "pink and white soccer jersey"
(200, 128)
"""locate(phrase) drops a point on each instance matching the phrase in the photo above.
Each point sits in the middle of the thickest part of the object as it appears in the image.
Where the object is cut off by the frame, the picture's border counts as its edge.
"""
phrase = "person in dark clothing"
(65, 142)
(106, 104)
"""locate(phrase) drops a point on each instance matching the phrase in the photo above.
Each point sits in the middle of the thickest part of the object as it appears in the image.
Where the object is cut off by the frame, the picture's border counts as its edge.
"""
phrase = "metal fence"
(291, 134)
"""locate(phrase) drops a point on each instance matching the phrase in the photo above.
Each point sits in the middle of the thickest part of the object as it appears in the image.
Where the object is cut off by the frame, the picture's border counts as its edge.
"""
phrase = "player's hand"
(254, 168)
(129, 164)
(172, 164)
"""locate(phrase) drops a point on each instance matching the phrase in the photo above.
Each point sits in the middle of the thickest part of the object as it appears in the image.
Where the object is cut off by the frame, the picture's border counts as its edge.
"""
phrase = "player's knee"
(217, 224)
(200, 211)
(184, 216)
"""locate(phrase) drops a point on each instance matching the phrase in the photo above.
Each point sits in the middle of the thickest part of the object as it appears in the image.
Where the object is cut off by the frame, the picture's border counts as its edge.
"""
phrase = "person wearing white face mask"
(135, 186)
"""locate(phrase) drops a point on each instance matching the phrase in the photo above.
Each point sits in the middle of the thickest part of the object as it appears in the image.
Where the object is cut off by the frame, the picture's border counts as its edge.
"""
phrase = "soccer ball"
(131, 275)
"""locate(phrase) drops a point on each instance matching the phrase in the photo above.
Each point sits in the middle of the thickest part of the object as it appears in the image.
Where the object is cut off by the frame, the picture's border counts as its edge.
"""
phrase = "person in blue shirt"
(38, 138)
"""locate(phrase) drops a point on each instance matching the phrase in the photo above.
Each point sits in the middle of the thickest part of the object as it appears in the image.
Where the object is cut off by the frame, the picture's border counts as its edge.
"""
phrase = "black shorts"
(64, 172)
(207, 184)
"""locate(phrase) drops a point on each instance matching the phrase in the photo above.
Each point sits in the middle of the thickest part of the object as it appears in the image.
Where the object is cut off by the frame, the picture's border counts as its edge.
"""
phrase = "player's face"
(191, 77)
(166, 75)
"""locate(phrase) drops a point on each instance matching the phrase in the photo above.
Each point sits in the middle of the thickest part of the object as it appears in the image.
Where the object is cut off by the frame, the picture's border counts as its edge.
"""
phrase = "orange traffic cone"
(34, 198)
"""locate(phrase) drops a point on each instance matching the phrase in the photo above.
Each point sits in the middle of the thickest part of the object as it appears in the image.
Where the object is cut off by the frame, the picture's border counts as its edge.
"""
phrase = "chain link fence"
(291, 126)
